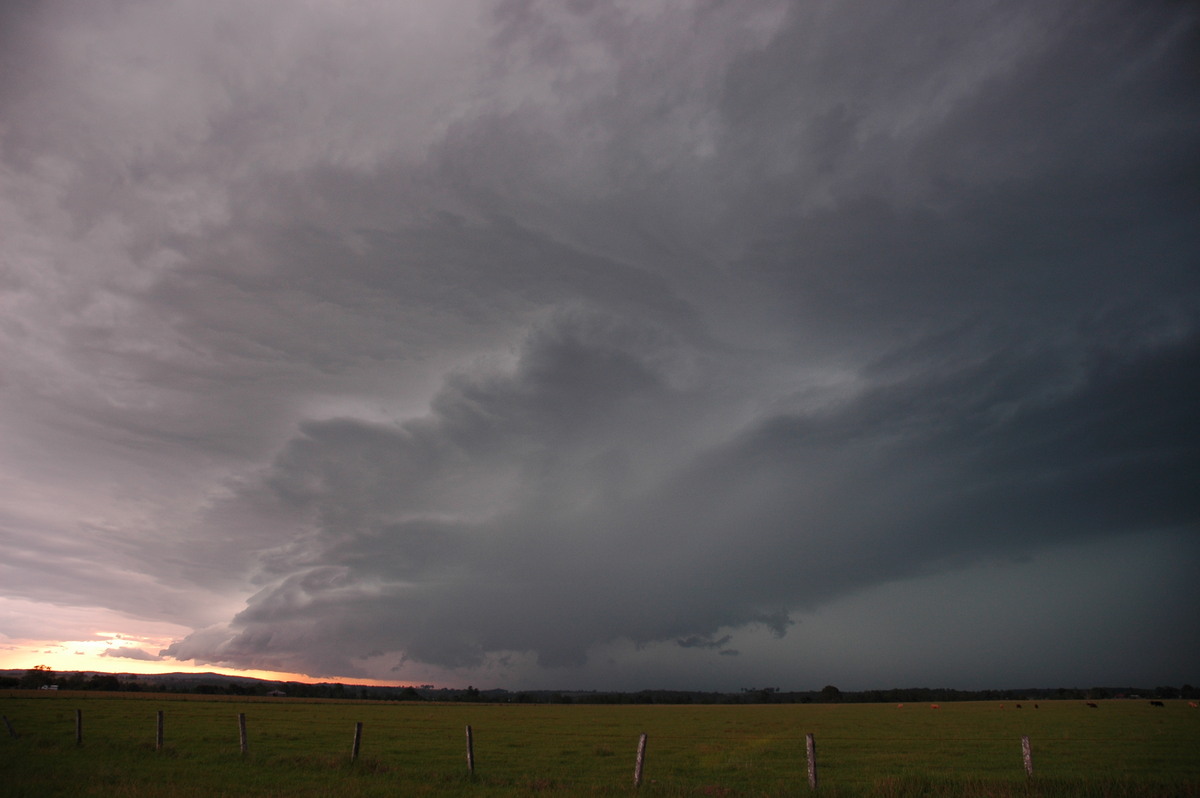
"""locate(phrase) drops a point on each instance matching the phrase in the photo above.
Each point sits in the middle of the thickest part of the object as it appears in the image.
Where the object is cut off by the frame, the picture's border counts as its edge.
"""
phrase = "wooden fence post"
(810, 745)
(242, 732)
(357, 741)
(640, 762)
(158, 737)
(1027, 755)
(11, 731)
(470, 752)
(79, 727)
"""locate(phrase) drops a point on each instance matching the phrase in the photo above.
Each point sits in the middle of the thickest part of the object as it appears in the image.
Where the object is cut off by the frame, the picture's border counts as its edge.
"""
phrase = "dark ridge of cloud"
(701, 641)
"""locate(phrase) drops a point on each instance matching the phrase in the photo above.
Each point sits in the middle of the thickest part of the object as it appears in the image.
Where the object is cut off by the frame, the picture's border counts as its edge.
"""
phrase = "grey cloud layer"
(527, 514)
(485, 330)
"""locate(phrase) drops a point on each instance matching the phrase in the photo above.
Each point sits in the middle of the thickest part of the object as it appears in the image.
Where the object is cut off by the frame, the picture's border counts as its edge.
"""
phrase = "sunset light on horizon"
(132, 650)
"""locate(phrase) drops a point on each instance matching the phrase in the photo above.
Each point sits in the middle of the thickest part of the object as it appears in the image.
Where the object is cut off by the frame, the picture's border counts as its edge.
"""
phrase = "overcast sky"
(616, 345)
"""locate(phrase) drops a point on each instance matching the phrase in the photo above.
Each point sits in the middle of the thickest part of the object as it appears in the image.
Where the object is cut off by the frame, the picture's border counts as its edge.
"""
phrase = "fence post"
(1027, 755)
(158, 737)
(79, 727)
(11, 731)
(357, 741)
(640, 762)
(470, 752)
(242, 733)
(810, 745)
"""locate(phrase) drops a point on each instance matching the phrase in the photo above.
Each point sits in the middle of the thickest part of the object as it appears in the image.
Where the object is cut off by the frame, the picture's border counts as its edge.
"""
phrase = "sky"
(572, 344)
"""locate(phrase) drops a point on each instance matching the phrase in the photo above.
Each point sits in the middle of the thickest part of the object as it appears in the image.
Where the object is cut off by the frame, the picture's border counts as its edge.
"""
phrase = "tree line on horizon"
(217, 684)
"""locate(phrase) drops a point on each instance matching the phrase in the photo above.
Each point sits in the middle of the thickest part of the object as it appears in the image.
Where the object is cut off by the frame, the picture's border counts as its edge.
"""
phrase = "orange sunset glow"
(107, 642)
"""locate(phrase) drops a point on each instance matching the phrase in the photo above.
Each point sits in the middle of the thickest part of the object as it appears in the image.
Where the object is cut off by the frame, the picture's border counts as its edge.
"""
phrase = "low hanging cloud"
(696, 641)
(565, 504)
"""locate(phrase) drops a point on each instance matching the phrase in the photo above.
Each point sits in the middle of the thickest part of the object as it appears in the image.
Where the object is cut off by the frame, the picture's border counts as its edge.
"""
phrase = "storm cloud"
(597, 343)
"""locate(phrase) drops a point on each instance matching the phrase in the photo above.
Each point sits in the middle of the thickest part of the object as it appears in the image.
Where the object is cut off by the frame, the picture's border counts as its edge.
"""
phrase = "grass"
(1125, 749)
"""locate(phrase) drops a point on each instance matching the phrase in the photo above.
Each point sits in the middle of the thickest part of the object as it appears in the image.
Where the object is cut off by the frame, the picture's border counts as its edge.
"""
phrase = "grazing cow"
(1193, 705)
(934, 706)
(1156, 704)
(901, 706)
(1035, 706)
(1018, 706)
(1093, 706)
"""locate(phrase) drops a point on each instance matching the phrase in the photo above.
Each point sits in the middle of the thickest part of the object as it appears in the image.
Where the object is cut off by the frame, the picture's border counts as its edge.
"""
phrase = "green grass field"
(302, 748)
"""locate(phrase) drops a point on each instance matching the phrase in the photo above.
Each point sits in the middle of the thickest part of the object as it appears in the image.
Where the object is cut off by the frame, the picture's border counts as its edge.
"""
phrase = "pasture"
(303, 748)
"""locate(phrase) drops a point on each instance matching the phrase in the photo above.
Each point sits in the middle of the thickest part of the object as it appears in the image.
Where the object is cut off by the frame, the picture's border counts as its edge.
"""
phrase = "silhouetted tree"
(104, 681)
(37, 676)
(830, 693)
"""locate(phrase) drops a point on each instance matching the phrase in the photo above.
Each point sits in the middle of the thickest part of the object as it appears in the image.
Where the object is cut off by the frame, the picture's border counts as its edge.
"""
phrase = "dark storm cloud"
(993, 200)
(528, 336)
(536, 523)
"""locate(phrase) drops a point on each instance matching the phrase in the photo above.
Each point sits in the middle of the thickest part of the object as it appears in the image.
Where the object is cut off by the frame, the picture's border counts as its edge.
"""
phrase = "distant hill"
(225, 684)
